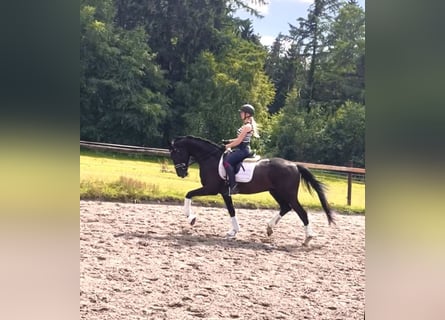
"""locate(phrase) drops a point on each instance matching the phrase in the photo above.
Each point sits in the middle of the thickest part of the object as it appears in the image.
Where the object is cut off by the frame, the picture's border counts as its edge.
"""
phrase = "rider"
(242, 144)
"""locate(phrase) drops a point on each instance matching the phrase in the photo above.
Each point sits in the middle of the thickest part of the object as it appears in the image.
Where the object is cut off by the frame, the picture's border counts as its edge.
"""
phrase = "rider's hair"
(254, 127)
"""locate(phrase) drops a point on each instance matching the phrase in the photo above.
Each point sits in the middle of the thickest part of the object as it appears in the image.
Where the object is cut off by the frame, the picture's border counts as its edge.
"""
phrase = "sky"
(277, 16)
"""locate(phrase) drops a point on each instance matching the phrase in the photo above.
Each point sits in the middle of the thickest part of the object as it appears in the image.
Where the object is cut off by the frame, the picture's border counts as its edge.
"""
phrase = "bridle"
(184, 165)
(191, 160)
(181, 165)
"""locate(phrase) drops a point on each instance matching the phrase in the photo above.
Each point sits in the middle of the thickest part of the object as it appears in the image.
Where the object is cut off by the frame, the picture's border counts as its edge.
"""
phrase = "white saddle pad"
(245, 173)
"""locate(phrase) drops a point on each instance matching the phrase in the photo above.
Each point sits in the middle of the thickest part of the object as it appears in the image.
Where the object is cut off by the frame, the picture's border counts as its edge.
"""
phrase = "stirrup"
(233, 190)
(226, 191)
(230, 191)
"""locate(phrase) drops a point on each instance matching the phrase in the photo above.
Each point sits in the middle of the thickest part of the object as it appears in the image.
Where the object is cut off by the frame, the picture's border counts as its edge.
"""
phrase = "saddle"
(243, 170)
(252, 157)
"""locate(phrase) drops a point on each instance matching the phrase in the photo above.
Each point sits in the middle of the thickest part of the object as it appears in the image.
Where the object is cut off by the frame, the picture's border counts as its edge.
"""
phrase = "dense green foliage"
(154, 69)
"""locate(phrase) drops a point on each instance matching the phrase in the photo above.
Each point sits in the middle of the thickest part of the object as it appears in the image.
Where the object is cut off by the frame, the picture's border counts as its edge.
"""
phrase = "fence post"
(350, 184)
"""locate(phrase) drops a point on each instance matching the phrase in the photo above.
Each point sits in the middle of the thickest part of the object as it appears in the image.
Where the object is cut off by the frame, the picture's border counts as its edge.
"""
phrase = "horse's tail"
(312, 183)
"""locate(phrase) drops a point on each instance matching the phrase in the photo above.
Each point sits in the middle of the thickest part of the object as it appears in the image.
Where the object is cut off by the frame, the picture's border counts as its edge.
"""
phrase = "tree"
(344, 136)
(342, 76)
(121, 88)
(314, 136)
(244, 30)
(284, 67)
(310, 38)
(297, 133)
(179, 30)
(217, 86)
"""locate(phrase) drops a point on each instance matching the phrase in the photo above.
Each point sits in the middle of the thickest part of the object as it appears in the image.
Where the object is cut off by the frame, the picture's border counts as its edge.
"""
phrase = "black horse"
(278, 176)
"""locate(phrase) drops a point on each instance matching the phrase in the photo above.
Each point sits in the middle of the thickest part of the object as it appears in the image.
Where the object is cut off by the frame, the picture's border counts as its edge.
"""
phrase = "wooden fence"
(349, 170)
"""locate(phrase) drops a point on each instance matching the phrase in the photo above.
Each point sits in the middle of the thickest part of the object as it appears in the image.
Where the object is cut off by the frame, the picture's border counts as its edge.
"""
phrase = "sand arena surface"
(143, 261)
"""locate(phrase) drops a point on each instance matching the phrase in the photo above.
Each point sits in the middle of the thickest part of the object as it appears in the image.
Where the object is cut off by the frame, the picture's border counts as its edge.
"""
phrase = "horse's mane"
(213, 144)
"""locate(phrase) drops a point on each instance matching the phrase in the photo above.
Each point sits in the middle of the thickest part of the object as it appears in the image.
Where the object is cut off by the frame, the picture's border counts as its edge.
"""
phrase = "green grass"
(120, 177)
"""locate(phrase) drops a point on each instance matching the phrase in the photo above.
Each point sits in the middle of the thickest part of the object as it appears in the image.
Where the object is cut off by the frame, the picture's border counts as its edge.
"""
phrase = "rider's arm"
(234, 142)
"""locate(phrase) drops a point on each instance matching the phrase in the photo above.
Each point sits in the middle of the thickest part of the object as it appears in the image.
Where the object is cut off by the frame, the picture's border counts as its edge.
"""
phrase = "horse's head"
(189, 149)
(180, 156)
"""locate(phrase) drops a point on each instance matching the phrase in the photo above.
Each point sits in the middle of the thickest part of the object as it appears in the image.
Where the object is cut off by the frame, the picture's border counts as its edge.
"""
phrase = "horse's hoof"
(231, 234)
(307, 240)
(269, 230)
(192, 219)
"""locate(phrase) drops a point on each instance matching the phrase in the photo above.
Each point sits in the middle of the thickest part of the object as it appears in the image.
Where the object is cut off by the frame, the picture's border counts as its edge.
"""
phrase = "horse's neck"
(204, 153)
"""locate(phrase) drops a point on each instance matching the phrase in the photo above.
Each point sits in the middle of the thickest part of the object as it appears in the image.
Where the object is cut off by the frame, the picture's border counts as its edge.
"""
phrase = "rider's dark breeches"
(236, 156)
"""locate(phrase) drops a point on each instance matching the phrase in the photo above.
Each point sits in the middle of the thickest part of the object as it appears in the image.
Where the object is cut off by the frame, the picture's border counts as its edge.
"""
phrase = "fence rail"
(350, 171)
(124, 148)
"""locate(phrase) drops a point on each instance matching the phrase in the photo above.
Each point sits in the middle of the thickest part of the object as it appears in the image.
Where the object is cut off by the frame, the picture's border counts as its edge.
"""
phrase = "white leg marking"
(187, 207)
(235, 228)
(272, 223)
(235, 224)
(309, 232)
(309, 235)
(188, 211)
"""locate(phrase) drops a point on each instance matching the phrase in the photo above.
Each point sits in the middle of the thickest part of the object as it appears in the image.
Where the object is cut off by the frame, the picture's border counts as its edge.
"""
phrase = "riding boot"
(233, 186)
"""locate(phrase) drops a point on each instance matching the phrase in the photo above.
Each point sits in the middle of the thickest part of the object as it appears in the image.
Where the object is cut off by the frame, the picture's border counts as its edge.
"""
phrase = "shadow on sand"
(190, 239)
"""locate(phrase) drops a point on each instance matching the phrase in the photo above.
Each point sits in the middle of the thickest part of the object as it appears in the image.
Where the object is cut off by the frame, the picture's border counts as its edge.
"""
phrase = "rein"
(183, 165)
(202, 157)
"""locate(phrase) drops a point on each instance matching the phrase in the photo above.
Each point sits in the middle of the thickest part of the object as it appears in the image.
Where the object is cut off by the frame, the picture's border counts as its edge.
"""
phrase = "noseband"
(181, 165)
(184, 165)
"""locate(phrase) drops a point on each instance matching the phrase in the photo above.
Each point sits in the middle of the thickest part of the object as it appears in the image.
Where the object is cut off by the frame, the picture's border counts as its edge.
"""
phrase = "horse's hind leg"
(284, 208)
(295, 204)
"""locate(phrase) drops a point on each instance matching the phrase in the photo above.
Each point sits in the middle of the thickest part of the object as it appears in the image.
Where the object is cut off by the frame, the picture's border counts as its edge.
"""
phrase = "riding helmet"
(247, 108)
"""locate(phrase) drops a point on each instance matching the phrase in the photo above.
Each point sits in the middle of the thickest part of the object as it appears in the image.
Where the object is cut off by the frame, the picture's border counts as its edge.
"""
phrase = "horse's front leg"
(203, 191)
(188, 211)
(234, 221)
